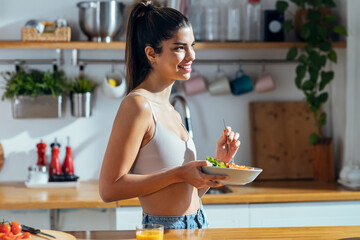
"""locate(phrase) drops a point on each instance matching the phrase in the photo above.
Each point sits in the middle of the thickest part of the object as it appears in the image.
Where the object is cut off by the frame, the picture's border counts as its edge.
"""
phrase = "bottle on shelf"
(195, 15)
(55, 166)
(68, 165)
(253, 21)
(234, 22)
(41, 150)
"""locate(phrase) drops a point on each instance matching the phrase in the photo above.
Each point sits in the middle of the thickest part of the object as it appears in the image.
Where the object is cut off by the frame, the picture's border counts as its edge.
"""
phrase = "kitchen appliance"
(101, 21)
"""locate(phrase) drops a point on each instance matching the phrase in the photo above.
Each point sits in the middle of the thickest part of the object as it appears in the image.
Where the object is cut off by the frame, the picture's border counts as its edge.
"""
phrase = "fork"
(227, 139)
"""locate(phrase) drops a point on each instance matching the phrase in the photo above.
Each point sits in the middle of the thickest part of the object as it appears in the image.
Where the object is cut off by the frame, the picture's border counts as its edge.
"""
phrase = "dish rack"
(61, 34)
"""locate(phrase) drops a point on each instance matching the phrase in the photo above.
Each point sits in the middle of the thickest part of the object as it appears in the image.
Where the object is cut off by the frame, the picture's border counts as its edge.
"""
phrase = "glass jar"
(253, 21)
(38, 174)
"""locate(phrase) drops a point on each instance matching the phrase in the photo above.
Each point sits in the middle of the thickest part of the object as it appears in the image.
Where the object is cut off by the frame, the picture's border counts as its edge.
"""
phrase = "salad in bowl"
(237, 174)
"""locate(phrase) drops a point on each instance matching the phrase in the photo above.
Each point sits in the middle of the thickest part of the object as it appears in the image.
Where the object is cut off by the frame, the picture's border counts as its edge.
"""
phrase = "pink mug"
(264, 83)
(196, 84)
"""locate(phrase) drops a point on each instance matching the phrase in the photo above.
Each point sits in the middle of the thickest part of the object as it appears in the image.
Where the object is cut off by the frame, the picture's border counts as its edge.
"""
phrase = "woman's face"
(174, 62)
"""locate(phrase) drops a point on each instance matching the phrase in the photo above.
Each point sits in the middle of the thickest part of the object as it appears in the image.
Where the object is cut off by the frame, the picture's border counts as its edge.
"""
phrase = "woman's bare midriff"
(174, 200)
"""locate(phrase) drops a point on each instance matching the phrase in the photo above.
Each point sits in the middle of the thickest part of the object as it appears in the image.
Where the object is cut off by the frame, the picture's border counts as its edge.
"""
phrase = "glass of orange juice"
(150, 231)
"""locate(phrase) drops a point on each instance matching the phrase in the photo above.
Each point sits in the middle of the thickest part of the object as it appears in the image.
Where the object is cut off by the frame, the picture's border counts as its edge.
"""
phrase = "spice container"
(38, 174)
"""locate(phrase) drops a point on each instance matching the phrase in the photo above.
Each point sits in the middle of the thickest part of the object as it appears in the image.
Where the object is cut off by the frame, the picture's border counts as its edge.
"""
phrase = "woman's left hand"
(222, 148)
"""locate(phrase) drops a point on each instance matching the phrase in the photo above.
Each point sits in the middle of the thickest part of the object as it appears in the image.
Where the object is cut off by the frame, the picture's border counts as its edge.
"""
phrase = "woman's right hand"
(192, 174)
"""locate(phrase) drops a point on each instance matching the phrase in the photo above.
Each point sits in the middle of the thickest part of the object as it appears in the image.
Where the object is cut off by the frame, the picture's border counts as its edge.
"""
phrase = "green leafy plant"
(311, 74)
(33, 83)
(82, 84)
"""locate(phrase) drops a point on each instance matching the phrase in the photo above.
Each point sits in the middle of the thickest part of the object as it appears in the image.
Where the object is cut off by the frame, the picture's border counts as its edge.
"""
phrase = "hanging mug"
(241, 84)
(196, 84)
(220, 86)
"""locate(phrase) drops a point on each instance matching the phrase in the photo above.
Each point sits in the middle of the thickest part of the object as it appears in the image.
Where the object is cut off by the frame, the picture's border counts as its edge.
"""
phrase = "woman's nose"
(190, 56)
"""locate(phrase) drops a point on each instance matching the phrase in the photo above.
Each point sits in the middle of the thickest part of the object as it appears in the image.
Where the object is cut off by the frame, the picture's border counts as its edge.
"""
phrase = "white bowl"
(117, 91)
(236, 176)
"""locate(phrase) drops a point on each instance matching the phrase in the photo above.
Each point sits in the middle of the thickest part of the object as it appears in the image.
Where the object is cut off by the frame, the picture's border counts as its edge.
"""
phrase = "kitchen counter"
(328, 233)
(15, 195)
(275, 192)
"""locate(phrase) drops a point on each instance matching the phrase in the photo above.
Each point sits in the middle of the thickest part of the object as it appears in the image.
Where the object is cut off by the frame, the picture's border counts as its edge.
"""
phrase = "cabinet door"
(339, 213)
(38, 218)
(127, 218)
(81, 219)
(227, 215)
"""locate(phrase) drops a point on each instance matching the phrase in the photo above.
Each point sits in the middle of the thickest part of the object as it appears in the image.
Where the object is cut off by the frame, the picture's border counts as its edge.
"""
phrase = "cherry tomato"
(26, 235)
(15, 227)
(5, 227)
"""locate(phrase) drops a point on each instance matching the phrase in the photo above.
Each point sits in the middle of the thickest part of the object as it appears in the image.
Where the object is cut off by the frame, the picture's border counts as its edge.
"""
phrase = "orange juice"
(149, 234)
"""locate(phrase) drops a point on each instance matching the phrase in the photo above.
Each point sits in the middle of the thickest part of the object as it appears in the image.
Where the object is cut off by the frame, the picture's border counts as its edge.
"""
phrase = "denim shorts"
(191, 221)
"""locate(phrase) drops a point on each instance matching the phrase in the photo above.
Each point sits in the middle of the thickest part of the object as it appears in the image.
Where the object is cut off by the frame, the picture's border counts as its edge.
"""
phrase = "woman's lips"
(186, 68)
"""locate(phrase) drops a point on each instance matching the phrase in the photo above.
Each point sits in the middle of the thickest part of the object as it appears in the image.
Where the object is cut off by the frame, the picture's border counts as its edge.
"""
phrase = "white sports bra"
(164, 151)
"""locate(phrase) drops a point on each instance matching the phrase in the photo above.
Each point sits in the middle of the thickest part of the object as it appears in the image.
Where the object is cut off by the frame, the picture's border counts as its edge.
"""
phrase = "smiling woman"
(150, 155)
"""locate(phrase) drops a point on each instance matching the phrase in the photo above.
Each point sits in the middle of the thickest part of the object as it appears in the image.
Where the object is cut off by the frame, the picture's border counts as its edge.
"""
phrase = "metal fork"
(227, 138)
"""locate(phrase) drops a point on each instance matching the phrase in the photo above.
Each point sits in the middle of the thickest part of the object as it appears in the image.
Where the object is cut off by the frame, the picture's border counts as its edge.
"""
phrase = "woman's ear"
(150, 54)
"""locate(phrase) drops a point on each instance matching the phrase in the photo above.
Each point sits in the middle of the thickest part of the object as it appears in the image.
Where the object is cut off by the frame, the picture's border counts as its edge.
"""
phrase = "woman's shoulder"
(135, 104)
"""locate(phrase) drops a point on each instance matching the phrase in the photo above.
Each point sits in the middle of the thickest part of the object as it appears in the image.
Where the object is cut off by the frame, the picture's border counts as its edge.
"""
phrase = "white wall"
(89, 136)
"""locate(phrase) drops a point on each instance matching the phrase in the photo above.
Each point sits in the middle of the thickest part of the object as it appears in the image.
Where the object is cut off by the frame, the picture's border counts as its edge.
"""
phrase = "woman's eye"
(178, 48)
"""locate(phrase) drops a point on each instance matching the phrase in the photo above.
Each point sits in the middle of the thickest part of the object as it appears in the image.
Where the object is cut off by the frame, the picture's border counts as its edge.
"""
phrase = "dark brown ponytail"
(148, 26)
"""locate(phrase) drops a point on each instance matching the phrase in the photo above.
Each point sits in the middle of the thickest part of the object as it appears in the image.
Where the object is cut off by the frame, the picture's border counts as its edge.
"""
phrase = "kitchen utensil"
(68, 165)
(235, 176)
(279, 134)
(35, 231)
(227, 139)
(38, 25)
(41, 150)
(81, 104)
(1, 157)
(114, 91)
(55, 166)
(100, 21)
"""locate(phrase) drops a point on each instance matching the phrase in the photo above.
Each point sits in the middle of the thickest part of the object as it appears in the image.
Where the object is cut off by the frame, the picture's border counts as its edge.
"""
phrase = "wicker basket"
(61, 34)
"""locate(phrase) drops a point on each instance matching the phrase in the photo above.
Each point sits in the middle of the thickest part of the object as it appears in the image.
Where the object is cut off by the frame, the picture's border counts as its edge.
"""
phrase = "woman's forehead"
(184, 34)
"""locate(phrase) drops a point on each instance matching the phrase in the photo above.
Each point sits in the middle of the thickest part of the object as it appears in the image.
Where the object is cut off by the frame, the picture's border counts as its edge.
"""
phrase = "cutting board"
(2, 159)
(59, 235)
(279, 134)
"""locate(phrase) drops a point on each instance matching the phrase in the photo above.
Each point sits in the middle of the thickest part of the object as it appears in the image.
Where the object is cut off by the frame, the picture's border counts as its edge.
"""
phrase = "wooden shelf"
(121, 45)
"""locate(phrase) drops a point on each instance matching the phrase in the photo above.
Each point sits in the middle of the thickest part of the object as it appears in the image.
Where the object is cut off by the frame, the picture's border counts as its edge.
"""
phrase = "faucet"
(186, 112)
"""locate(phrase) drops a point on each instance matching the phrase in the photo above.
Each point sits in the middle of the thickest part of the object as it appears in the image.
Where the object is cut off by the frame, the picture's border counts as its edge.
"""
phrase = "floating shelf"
(121, 45)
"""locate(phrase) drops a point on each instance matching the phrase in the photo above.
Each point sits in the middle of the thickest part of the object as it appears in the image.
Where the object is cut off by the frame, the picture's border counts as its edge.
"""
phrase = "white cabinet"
(341, 213)
(127, 218)
(80, 219)
(38, 218)
(227, 215)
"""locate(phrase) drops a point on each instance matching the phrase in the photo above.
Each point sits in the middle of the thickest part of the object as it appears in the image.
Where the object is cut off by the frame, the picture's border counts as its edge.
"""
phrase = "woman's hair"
(148, 26)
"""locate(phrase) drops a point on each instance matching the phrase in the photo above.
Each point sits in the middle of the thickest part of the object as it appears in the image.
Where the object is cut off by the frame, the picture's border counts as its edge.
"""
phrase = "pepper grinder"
(68, 165)
(55, 166)
(41, 148)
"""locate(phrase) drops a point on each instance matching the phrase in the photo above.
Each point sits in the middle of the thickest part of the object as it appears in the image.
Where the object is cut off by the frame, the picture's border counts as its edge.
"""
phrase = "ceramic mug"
(220, 86)
(196, 84)
(264, 83)
(241, 84)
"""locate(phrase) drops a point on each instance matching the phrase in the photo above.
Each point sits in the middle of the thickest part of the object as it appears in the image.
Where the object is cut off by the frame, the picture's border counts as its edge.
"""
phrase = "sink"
(219, 190)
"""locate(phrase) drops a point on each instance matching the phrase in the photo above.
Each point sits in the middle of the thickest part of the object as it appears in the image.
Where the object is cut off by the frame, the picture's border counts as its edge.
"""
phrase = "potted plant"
(316, 28)
(81, 89)
(34, 93)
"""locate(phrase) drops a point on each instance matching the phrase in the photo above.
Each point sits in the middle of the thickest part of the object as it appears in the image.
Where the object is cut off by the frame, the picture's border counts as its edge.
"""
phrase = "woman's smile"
(185, 67)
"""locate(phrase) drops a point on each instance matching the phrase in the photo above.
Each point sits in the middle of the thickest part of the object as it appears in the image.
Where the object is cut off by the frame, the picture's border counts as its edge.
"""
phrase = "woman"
(150, 154)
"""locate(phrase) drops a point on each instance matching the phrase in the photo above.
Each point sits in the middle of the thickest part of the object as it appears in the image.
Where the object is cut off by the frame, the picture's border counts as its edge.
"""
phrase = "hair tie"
(150, 6)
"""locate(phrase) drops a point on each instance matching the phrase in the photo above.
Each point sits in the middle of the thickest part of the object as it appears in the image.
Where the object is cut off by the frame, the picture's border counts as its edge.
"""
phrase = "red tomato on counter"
(5, 227)
(15, 227)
